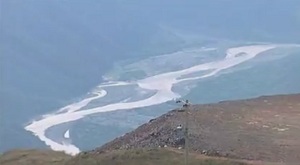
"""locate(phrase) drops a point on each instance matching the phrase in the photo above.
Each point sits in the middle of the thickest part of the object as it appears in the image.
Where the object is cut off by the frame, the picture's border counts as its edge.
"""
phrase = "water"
(54, 53)
(158, 87)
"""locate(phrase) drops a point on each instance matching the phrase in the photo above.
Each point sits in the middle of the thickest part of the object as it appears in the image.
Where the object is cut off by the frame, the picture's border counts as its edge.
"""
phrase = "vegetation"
(144, 156)
(33, 157)
(120, 157)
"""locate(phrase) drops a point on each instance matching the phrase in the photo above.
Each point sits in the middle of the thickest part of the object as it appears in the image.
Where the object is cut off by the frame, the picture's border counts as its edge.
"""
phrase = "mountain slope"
(265, 128)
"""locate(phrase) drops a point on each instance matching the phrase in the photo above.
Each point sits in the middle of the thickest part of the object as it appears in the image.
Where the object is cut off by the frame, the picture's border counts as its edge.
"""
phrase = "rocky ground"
(265, 129)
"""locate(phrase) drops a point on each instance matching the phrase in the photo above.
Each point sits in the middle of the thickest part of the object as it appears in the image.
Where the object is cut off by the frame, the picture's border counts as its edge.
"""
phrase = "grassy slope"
(33, 157)
(133, 157)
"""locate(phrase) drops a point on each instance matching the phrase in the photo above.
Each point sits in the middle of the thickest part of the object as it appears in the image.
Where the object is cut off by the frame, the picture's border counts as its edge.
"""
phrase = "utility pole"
(186, 107)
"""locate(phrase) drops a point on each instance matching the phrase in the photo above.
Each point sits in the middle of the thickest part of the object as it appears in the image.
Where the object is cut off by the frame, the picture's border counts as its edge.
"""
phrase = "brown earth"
(265, 129)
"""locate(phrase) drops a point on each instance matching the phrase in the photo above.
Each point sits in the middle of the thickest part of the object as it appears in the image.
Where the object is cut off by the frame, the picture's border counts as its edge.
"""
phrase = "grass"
(144, 157)
(33, 157)
(131, 157)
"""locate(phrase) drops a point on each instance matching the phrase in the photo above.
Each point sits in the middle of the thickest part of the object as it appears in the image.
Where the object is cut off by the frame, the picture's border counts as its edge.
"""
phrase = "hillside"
(266, 128)
(146, 156)
(260, 131)
(33, 157)
(121, 157)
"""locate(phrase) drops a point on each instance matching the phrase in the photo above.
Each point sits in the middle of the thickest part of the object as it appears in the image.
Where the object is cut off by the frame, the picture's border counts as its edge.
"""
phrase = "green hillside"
(132, 157)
